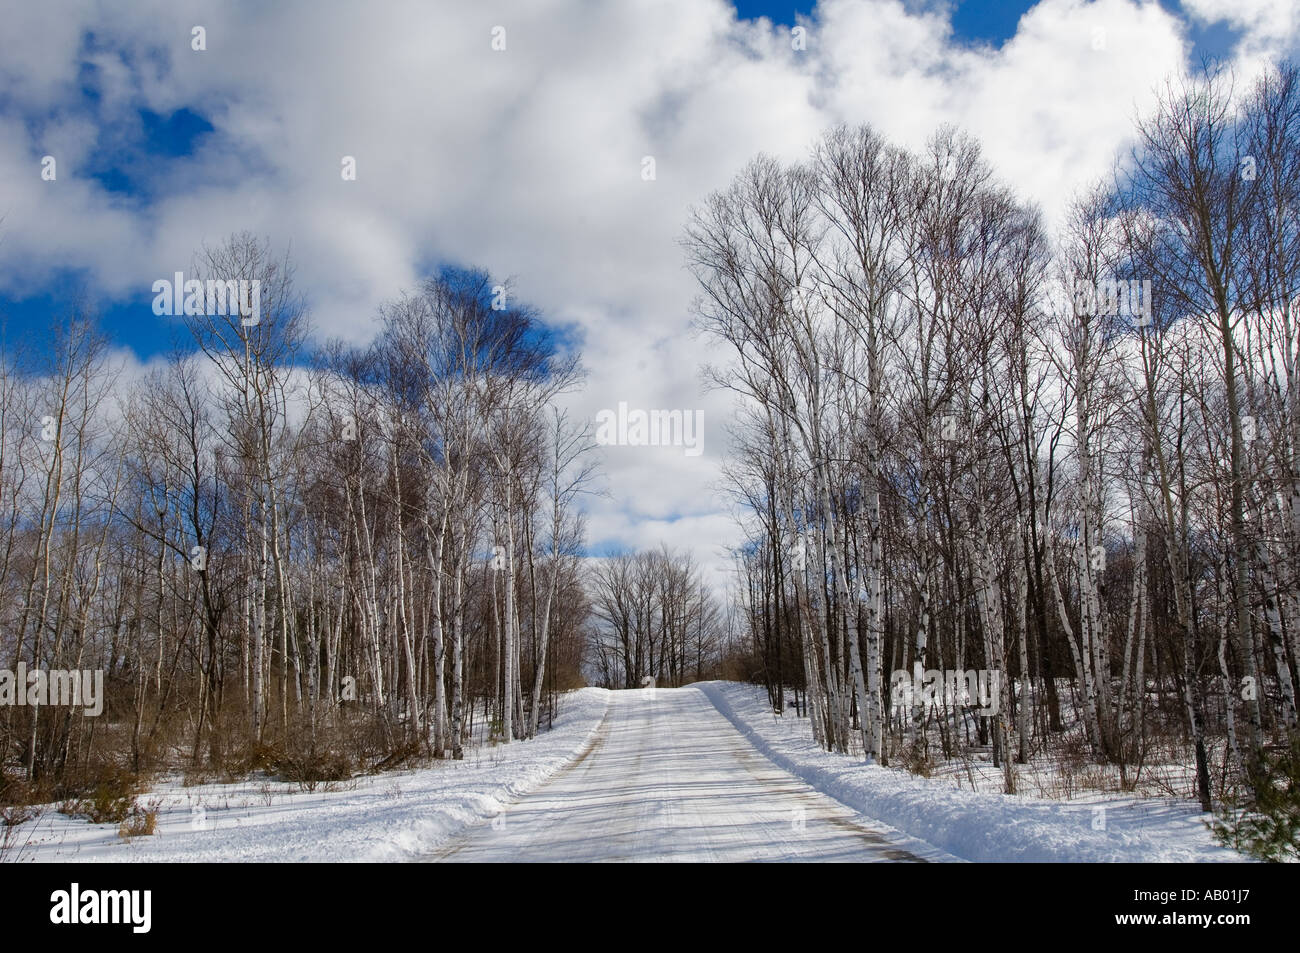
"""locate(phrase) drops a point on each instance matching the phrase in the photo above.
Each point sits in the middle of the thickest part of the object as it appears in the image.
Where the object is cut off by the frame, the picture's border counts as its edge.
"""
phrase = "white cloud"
(1268, 27)
(528, 161)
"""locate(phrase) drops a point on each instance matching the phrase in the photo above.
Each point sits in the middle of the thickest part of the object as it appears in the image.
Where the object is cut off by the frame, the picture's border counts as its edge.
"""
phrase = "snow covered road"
(667, 777)
(705, 772)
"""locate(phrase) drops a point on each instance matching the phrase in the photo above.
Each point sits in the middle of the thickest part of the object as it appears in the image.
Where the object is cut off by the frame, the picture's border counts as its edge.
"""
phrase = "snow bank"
(972, 825)
(388, 817)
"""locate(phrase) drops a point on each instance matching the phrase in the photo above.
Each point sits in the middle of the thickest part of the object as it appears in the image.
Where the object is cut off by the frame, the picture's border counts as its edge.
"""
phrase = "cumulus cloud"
(529, 161)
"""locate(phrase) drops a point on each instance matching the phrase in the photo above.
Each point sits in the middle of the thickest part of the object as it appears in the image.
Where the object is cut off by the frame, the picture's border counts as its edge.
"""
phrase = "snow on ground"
(655, 776)
(975, 825)
(398, 815)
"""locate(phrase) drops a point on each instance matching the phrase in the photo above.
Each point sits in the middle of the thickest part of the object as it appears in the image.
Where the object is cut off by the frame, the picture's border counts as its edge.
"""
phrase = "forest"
(966, 440)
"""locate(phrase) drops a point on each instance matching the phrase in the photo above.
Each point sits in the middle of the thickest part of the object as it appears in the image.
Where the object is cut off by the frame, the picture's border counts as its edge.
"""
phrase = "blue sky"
(984, 20)
(994, 21)
(133, 156)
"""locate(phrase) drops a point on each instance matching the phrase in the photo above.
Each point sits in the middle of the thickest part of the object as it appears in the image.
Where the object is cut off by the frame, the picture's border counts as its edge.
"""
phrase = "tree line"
(1070, 457)
(316, 561)
(656, 621)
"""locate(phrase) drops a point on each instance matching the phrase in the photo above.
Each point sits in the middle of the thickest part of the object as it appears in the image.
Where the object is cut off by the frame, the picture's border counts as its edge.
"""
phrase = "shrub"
(13, 816)
(915, 758)
(16, 790)
(311, 769)
(113, 797)
(141, 821)
(1267, 825)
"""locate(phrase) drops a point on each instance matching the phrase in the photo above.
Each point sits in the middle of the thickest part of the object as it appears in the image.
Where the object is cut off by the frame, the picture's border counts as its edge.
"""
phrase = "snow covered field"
(393, 816)
(643, 775)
